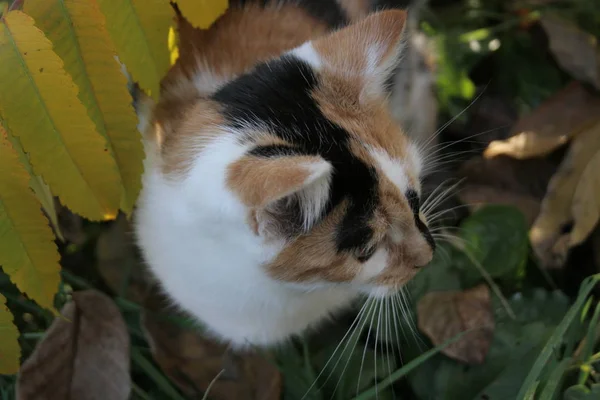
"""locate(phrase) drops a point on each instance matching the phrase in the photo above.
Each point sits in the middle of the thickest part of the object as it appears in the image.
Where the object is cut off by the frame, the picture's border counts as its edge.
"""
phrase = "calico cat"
(278, 188)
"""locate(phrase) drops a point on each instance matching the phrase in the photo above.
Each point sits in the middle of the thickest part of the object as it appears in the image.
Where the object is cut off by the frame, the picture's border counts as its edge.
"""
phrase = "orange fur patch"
(240, 39)
(259, 181)
(349, 50)
(187, 128)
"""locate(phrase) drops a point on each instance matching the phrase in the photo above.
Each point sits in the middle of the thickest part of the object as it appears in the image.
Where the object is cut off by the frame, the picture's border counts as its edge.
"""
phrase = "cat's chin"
(379, 292)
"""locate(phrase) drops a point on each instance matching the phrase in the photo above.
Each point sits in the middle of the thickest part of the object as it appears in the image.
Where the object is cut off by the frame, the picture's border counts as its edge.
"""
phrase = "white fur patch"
(314, 196)
(373, 267)
(392, 168)
(307, 52)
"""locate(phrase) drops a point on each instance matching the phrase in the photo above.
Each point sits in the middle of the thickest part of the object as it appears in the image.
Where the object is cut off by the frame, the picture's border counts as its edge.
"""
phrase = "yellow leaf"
(39, 101)
(36, 183)
(586, 201)
(27, 250)
(77, 29)
(567, 210)
(9, 346)
(202, 13)
(140, 31)
(558, 120)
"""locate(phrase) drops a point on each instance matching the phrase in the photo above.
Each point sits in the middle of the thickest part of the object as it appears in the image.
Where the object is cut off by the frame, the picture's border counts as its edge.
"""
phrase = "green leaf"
(27, 250)
(10, 352)
(496, 236)
(144, 34)
(582, 392)
(79, 36)
(39, 103)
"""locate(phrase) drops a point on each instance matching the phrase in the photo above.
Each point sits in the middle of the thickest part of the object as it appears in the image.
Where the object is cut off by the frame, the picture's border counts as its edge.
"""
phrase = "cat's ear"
(366, 51)
(289, 190)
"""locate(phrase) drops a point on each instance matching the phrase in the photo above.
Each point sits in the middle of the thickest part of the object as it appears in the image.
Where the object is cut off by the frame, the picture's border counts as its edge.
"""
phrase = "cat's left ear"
(286, 192)
(366, 51)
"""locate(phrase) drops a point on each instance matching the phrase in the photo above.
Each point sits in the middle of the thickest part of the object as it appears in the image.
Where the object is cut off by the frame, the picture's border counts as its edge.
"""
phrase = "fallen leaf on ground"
(443, 315)
(506, 181)
(83, 356)
(575, 51)
(570, 209)
(192, 361)
(553, 124)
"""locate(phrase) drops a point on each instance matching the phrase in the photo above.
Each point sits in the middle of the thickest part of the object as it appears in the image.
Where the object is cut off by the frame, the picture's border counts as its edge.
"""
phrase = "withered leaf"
(192, 361)
(506, 181)
(563, 116)
(575, 50)
(83, 356)
(443, 315)
(570, 209)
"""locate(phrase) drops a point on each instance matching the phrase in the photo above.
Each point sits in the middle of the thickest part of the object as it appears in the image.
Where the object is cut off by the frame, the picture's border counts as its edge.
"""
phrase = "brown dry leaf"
(505, 180)
(443, 315)
(118, 263)
(83, 356)
(575, 51)
(563, 116)
(569, 211)
(192, 361)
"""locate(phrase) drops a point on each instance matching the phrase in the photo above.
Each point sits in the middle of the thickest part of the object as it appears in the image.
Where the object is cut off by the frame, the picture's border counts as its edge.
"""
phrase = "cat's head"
(327, 171)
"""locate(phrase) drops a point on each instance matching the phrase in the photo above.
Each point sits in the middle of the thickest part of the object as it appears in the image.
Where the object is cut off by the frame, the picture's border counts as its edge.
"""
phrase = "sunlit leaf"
(80, 37)
(39, 101)
(140, 30)
(27, 250)
(202, 13)
(36, 183)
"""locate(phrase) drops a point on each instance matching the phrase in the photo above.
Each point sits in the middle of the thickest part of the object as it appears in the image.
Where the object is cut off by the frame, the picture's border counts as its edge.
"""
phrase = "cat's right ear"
(365, 52)
(284, 191)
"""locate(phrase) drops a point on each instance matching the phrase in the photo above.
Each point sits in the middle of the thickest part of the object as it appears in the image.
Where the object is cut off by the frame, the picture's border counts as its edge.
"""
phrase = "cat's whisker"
(395, 317)
(377, 333)
(409, 319)
(434, 217)
(367, 305)
(435, 193)
(358, 331)
(442, 146)
(387, 338)
(440, 198)
(362, 362)
(457, 116)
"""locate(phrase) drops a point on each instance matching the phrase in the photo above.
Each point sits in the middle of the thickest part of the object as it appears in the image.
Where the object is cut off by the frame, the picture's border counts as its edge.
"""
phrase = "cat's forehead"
(308, 112)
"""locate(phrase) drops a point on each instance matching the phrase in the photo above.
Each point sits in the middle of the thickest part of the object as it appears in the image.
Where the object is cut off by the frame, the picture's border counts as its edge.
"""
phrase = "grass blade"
(557, 336)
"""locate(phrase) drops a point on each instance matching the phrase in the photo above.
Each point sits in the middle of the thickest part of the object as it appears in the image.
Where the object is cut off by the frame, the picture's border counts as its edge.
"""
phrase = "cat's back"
(252, 31)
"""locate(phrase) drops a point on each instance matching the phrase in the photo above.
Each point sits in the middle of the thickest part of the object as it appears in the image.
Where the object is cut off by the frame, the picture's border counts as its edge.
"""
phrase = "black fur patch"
(277, 95)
